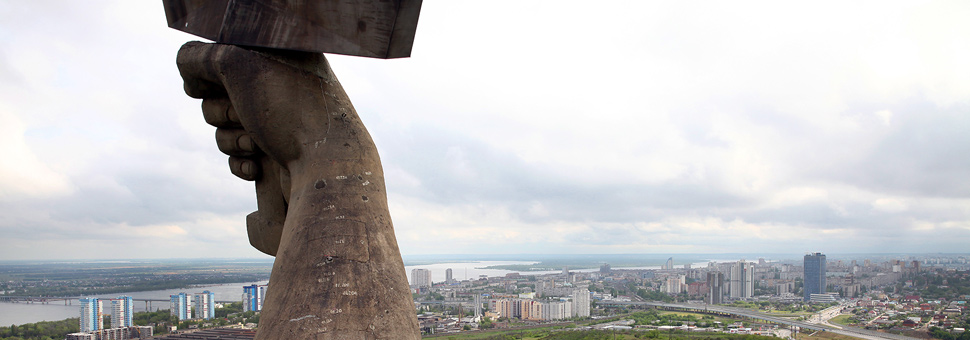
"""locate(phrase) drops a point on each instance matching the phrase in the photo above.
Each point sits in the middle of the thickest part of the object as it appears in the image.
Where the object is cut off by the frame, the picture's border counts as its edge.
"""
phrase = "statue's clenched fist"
(287, 124)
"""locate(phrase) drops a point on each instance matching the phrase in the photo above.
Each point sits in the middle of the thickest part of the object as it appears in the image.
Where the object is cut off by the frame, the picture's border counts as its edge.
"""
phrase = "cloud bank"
(540, 127)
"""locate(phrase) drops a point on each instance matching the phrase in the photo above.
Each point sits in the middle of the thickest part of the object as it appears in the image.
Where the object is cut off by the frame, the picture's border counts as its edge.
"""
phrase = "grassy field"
(523, 333)
(825, 336)
(842, 319)
(603, 335)
(721, 319)
(553, 334)
(787, 313)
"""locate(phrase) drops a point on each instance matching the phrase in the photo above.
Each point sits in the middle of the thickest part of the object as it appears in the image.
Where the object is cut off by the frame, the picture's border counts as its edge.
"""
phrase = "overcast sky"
(522, 127)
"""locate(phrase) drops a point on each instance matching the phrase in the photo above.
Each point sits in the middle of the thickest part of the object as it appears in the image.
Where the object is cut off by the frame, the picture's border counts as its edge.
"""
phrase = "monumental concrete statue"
(287, 124)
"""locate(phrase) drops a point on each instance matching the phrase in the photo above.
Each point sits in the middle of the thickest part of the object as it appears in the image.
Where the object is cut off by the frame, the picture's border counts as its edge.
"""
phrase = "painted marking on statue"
(336, 311)
(368, 173)
(366, 183)
(329, 207)
(341, 285)
(303, 318)
(340, 241)
(341, 177)
(317, 143)
(340, 217)
(350, 292)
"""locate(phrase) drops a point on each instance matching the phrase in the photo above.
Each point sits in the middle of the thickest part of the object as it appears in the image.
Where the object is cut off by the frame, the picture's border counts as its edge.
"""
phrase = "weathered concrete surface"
(286, 123)
(369, 28)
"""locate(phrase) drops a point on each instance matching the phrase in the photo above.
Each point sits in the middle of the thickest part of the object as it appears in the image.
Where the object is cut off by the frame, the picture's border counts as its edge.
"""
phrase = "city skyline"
(650, 128)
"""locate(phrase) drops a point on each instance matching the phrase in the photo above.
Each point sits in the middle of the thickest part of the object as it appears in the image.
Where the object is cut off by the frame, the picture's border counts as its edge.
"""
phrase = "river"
(21, 313)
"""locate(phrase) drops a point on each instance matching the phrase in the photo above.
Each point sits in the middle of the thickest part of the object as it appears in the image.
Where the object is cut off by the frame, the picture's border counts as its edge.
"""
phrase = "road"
(849, 331)
(823, 316)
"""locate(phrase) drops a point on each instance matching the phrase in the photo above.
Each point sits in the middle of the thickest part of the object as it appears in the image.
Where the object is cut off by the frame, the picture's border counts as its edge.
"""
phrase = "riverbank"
(153, 300)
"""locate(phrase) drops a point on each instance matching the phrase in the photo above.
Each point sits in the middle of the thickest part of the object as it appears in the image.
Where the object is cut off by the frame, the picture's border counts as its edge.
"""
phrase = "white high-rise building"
(122, 312)
(556, 310)
(180, 306)
(742, 285)
(674, 284)
(580, 303)
(205, 307)
(478, 305)
(91, 319)
(448, 276)
(253, 298)
(421, 278)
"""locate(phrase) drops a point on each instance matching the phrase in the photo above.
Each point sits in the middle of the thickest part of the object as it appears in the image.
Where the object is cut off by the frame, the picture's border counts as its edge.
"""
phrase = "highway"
(714, 309)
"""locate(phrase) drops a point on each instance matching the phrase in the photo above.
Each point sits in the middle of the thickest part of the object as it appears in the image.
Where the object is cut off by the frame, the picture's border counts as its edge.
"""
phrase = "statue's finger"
(197, 63)
(235, 142)
(265, 226)
(219, 112)
(244, 168)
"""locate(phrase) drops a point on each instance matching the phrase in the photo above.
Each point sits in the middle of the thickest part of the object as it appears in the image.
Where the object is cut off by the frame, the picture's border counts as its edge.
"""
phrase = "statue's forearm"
(322, 203)
(338, 268)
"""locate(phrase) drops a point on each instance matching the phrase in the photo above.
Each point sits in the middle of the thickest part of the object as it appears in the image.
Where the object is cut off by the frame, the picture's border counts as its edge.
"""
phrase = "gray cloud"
(699, 134)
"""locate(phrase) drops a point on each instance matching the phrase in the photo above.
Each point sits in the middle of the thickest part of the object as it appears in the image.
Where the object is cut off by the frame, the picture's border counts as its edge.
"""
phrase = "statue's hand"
(287, 124)
(263, 124)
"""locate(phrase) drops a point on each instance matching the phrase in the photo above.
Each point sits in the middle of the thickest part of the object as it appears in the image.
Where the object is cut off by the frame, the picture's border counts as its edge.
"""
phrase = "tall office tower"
(605, 268)
(205, 305)
(179, 304)
(91, 319)
(121, 312)
(669, 264)
(421, 278)
(448, 277)
(715, 288)
(253, 298)
(580, 303)
(742, 285)
(814, 275)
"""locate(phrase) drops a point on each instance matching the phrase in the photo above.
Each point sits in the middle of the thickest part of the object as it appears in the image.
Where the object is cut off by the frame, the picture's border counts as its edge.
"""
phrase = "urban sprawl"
(870, 295)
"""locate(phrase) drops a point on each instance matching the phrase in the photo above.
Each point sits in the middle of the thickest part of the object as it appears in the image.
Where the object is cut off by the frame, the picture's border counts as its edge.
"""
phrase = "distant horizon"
(499, 257)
